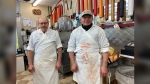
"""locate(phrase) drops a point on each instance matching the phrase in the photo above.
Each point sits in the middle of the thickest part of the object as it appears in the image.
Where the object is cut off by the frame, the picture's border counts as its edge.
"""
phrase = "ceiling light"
(36, 2)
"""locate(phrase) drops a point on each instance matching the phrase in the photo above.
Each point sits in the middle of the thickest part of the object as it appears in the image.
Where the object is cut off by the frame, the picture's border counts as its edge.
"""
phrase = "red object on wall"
(58, 12)
(118, 11)
(101, 9)
(95, 7)
(106, 9)
(82, 4)
(53, 20)
(91, 5)
(78, 6)
(86, 5)
(55, 16)
(61, 8)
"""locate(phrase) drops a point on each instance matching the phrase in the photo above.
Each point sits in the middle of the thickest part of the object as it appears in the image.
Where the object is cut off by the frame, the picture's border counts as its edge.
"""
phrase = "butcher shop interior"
(115, 17)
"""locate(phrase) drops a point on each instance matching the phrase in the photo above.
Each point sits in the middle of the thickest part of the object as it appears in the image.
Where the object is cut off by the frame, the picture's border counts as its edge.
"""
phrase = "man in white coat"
(44, 44)
(87, 42)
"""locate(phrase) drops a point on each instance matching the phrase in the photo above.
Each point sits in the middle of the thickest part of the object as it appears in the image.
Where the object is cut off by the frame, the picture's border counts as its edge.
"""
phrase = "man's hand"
(74, 67)
(31, 68)
(58, 65)
(103, 71)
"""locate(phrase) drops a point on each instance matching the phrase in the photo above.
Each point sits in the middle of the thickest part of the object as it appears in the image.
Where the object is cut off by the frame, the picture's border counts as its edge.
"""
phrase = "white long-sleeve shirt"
(95, 31)
(52, 35)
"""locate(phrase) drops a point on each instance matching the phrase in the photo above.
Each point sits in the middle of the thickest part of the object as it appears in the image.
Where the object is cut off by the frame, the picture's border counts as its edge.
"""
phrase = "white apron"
(88, 61)
(44, 62)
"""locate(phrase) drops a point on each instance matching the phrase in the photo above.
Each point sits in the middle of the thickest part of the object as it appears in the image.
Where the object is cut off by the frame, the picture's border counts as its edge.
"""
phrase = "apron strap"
(41, 39)
(91, 38)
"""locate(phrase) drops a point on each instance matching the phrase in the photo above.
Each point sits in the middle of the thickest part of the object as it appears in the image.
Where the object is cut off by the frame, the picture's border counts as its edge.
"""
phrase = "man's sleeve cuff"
(104, 50)
(30, 48)
(58, 46)
(70, 50)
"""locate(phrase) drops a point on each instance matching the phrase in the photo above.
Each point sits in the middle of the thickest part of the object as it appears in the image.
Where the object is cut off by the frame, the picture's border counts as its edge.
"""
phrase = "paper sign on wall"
(26, 22)
(33, 23)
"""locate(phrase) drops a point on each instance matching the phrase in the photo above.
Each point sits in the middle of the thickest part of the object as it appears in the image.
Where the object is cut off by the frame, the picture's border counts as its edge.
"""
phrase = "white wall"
(26, 11)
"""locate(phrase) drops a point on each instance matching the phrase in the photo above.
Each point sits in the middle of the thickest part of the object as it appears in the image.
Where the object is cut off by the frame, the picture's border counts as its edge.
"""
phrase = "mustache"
(43, 27)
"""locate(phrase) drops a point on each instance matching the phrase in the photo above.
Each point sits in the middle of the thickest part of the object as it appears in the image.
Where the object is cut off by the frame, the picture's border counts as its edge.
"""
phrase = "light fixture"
(36, 2)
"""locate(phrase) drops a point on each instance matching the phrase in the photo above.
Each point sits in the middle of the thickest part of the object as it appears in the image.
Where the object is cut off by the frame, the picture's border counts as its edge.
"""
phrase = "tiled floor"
(27, 78)
(24, 78)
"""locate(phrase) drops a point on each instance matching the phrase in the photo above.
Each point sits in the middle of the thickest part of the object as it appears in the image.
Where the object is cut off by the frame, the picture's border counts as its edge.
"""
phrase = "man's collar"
(48, 31)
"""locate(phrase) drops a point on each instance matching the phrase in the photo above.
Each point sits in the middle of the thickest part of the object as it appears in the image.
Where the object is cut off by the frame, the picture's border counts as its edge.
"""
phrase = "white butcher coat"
(44, 46)
(87, 45)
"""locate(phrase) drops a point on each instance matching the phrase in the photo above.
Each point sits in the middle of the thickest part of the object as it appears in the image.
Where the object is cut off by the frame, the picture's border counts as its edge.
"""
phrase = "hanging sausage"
(103, 11)
(130, 7)
(61, 10)
(124, 16)
(121, 8)
(57, 9)
(95, 7)
(78, 6)
(100, 8)
(86, 5)
(82, 4)
(67, 5)
(112, 9)
(91, 5)
(55, 16)
(58, 12)
(118, 11)
(53, 21)
(71, 4)
(106, 9)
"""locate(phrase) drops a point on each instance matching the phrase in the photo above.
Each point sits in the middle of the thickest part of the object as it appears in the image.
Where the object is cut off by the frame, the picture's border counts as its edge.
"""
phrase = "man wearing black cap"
(87, 42)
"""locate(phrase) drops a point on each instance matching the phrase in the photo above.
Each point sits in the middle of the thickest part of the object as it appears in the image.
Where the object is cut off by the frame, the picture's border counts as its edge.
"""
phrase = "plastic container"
(125, 74)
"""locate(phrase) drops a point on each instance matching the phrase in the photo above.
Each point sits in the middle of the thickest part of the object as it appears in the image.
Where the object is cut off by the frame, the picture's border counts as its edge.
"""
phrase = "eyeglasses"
(43, 23)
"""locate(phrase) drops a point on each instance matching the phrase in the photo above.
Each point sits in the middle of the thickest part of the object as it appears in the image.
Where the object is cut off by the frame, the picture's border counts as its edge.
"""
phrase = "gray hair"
(41, 17)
